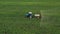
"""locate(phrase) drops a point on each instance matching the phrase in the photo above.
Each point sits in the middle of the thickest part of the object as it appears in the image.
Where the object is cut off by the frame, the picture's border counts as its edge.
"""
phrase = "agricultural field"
(12, 20)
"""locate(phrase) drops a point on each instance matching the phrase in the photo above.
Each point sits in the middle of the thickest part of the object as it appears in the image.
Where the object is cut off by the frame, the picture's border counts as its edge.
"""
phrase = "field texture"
(12, 20)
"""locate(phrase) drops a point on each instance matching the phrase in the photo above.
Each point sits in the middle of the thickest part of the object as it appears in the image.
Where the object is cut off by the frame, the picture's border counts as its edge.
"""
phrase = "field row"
(32, 3)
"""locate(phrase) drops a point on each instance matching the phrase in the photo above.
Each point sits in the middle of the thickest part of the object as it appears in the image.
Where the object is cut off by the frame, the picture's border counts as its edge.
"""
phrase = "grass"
(31, 3)
(32, 0)
(12, 19)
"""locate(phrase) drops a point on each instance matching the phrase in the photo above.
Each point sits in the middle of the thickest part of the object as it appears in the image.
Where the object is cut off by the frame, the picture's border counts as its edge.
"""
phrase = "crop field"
(12, 20)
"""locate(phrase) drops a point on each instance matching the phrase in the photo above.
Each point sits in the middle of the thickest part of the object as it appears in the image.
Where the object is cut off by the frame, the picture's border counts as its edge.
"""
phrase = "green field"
(12, 19)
